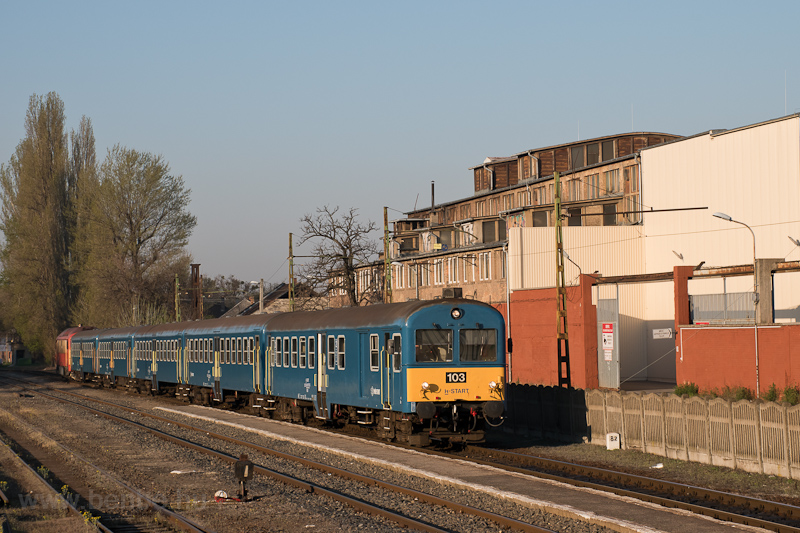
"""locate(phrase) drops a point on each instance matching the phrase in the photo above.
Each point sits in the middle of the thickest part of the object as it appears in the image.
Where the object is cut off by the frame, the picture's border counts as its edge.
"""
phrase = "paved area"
(618, 513)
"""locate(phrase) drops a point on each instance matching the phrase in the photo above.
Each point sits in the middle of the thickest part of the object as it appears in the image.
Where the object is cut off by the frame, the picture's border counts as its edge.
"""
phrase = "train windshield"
(478, 345)
(434, 345)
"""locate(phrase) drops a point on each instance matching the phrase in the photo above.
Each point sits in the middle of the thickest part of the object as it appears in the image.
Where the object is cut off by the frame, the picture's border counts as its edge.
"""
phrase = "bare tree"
(341, 244)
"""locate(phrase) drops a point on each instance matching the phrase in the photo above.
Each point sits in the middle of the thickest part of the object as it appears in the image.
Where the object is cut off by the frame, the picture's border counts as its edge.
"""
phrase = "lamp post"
(723, 216)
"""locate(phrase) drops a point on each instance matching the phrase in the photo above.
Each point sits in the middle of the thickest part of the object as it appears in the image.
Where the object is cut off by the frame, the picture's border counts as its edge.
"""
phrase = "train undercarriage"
(443, 425)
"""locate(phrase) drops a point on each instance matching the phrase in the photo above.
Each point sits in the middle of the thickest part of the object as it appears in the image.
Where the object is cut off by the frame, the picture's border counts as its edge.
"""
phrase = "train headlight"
(426, 385)
(493, 385)
(456, 313)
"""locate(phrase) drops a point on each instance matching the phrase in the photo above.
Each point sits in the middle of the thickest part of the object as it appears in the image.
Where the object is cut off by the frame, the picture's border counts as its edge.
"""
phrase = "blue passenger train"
(414, 371)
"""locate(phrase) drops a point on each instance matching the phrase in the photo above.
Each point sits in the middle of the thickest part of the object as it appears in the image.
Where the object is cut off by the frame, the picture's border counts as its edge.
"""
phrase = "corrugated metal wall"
(609, 250)
(752, 174)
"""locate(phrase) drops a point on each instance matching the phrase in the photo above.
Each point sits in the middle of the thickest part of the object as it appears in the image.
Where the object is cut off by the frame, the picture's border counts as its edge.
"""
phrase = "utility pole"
(291, 274)
(261, 296)
(177, 299)
(387, 261)
(562, 338)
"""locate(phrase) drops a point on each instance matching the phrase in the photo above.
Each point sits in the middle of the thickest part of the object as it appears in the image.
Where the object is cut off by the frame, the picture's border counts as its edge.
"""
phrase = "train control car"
(64, 349)
(416, 372)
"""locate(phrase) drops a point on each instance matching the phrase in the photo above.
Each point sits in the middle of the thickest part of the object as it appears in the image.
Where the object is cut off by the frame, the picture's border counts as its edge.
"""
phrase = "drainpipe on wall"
(509, 343)
(638, 159)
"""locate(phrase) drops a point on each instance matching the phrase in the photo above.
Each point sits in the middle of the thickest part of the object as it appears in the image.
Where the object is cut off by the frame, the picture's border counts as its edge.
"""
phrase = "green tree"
(136, 238)
(33, 192)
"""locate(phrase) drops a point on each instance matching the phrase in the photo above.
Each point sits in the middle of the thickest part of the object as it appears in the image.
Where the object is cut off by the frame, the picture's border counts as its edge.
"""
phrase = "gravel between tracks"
(146, 461)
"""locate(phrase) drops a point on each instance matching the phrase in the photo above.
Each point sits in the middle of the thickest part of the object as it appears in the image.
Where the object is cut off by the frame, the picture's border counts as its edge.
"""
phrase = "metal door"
(217, 371)
(322, 376)
(390, 363)
(608, 338)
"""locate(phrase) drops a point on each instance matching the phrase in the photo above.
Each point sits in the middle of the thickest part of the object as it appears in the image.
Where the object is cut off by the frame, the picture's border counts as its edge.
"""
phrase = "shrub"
(772, 394)
(742, 393)
(791, 394)
(689, 389)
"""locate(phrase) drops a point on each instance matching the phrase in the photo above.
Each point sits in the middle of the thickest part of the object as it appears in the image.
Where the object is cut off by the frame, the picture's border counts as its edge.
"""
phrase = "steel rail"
(67, 505)
(170, 516)
(358, 504)
(785, 511)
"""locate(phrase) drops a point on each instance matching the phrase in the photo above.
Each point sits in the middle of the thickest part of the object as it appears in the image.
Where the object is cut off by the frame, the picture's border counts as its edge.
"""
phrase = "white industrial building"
(751, 173)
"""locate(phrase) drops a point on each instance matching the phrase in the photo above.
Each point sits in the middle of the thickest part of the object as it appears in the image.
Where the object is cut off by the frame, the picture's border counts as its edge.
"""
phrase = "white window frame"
(485, 266)
(374, 352)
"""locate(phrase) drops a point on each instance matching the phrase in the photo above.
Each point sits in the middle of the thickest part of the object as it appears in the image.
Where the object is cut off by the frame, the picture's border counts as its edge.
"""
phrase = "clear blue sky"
(270, 109)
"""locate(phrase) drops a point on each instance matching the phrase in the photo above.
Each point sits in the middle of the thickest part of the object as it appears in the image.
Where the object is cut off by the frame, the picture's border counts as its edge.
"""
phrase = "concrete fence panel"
(596, 405)
(755, 436)
(633, 415)
(697, 428)
(675, 423)
(614, 419)
(721, 422)
(774, 454)
(653, 417)
(746, 441)
(793, 432)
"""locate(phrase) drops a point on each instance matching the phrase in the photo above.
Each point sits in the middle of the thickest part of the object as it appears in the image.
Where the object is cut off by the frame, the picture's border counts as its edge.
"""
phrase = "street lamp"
(723, 216)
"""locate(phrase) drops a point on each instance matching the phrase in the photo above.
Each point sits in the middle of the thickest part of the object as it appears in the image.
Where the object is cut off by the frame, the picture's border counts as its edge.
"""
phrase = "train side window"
(239, 351)
(434, 345)
(340, 362)
(312, 352)
(302, 352)
(374, 353)
(294, 352)
(477, 345)
(208, 356)
(331, 352)
(278, 353)
(286, 353)
(397, 353)
(331, 358)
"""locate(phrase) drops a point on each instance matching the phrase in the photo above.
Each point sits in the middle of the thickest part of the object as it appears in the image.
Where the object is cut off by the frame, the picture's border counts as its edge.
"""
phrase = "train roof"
(69, 332)
(358, 317)
(378, 315)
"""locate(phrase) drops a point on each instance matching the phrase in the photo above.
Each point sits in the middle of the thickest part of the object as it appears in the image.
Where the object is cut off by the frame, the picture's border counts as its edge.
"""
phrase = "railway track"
(146, 517)
(357, 504)
(735, 508)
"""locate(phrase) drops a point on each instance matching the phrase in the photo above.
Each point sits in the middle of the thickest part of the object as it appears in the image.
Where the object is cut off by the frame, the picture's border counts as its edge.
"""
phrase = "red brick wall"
(533, 330)
(715, 357)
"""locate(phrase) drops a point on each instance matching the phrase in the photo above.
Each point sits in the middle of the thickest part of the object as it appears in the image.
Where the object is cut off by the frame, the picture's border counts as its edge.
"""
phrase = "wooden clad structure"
(497, 173)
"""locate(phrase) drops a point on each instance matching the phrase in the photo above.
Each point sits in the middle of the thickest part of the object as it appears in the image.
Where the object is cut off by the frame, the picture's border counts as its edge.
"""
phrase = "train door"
(391, 364)
(95, 363)
(217, 372)
(255, 361)
(152, 351)
(131, 361)
(321, 376)
(370, 361)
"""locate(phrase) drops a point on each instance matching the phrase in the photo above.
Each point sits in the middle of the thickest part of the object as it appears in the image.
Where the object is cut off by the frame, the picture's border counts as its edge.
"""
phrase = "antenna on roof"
(415, 202)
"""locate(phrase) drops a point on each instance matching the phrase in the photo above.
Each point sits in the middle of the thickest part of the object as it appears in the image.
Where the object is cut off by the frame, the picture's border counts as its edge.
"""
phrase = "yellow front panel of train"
(455, 383)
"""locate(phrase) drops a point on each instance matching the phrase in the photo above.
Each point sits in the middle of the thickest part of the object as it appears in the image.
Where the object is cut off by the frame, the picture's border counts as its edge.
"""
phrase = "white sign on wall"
(662, 333)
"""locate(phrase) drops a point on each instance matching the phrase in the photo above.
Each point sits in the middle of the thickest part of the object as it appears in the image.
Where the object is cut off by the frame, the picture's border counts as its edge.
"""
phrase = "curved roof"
(355, 317)
(348, 317)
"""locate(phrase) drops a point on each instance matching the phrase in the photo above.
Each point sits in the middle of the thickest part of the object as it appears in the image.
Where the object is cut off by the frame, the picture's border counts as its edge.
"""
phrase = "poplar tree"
(33, 219)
